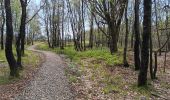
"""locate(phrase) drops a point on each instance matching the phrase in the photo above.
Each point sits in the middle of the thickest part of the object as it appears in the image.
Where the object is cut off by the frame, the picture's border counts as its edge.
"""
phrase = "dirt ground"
(121, 83)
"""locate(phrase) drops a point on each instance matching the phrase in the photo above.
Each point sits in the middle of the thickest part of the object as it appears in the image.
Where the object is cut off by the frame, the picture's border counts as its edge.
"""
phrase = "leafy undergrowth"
(97, 75)
(100, 54)
(11, 86)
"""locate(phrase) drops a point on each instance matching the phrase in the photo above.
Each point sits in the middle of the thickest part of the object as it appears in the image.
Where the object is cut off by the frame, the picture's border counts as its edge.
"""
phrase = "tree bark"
(91, 32)
(23, 24)
(2, 27)
(151, 60)
(137, 37)
(9, 37)
(142, 78)
(47, 31)
(113, 39)
(62, 40)
(132, 38)
(83, 25)
(157, 30)
(126, 39)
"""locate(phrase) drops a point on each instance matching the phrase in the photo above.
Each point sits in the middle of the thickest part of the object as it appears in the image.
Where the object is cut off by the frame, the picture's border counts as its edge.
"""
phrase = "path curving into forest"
(50, 82)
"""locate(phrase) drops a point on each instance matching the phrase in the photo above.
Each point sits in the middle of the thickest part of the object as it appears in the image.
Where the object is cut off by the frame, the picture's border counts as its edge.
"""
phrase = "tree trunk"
(132, 36)
(23, 24)
(2, 27)
(165, 61)
(54, 28)
(20, 41)
(142, 78)
(126, 39)
(151, 60)
(156, 66)
(18, 50)
(33, 38)
(62, 40)
(113, 39)
(47, 31)
(9, 37)
(157, 27)
(91, 32)
(137, 37)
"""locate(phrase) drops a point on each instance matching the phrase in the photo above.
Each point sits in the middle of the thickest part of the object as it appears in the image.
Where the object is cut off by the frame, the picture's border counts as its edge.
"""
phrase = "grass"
(29, 61)
(144, 90)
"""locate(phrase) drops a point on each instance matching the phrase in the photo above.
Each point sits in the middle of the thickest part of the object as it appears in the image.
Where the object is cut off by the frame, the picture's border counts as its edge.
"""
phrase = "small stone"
(142, 98)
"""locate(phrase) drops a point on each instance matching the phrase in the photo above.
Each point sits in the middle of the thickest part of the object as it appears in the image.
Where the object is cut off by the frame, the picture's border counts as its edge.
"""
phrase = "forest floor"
(97, 75)
(160, 86)
(101, 82)
(92, 74)
(9, 86)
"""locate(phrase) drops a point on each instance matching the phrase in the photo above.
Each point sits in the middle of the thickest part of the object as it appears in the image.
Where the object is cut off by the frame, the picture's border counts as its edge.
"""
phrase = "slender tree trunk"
(2, 27)
(54, 28)
(33, 34)
(23, 24)
(151, 60)
(157, 27)
(18, 50)
(137, 37)
(126, 39)
(62, 40)
(165, 61)
(142, 78)
(20, 42)
(9, 37)
(91, 32)
(47, 31)
(113, 39)
(132, 40)
(83, 26)
(156, 66)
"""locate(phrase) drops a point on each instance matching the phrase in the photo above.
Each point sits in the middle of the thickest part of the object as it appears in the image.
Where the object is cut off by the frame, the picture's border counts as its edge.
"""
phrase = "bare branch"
(35, 14)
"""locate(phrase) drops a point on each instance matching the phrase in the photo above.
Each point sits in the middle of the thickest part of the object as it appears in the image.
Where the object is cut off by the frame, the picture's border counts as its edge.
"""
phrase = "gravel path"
(50, 82)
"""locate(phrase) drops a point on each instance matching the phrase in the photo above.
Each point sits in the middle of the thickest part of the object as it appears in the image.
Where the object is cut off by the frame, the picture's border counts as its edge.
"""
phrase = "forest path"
(50, 82)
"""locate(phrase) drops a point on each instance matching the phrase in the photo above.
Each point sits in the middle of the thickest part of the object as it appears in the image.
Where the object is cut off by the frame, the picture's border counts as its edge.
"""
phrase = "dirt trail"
(50, 82)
